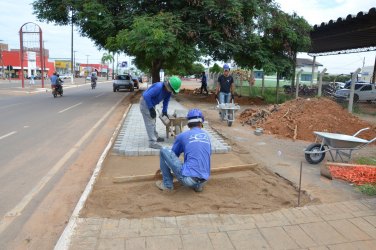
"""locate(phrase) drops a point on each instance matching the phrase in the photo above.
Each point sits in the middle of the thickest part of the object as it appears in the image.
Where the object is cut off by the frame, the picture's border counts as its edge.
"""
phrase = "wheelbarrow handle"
(360, 131)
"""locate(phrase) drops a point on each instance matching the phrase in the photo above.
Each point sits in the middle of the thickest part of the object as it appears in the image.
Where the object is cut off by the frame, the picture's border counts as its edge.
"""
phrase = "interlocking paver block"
(220, 241)
(164, 242)
(300, 237)
(135, 243)
(247, 239)
(337, 216)
(371, 219)
(365, 226)
(349, 230)
(237, 227)
(322, 232)
(83, 243)
(109, 244)
(363, 245)
(278, 238)
(196, 241)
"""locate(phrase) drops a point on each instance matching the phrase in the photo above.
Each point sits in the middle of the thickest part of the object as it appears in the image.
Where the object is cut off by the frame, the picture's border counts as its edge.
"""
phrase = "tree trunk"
(263, 84)
(293, 71)
(156, 67)
(277, 90)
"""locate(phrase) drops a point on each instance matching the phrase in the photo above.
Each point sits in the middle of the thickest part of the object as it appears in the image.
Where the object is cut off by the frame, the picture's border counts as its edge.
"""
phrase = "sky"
(13, 14)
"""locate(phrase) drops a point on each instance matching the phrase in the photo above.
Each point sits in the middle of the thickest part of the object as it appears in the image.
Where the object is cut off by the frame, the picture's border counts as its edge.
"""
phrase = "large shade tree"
(179, 29)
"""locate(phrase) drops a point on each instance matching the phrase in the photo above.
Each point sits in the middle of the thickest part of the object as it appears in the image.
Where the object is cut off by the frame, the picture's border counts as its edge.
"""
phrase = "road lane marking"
(61, 111)
(10, 216)
(9, 134)
(11, 105)
(99, 95)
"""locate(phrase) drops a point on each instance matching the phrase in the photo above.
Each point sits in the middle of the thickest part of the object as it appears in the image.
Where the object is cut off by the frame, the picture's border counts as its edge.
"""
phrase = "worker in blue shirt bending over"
(150, 98)
(196, 146)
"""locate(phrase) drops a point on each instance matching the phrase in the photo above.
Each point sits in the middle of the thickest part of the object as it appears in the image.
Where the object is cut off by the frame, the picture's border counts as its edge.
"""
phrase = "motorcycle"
(93, 84)
(57, 90)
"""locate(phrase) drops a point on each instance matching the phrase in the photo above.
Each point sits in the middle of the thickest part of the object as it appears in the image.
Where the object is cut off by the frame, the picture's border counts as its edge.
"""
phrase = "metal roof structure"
(349, 35)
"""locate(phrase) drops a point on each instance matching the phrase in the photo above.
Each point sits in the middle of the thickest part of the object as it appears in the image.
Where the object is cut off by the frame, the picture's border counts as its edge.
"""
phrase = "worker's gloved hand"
(165, 114)
(216, 97)
(232, 98)
(153, 114)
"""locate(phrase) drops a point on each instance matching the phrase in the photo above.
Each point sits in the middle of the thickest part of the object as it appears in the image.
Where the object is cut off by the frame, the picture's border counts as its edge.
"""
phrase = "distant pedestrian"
(204, 83)
(32, 82)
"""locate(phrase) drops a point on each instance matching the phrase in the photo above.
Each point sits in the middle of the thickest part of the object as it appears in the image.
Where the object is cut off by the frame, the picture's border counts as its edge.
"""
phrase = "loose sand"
(254, 191)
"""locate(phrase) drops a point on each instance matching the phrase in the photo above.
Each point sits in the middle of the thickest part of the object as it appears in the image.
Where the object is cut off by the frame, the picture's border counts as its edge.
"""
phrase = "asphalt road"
(40, 136)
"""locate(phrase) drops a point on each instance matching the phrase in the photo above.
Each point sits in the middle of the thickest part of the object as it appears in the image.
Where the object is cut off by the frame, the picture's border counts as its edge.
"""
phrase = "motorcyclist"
(93, 79)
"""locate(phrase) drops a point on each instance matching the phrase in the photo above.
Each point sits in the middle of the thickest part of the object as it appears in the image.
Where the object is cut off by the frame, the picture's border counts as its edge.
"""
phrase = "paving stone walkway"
(342, 225)
(133, 140)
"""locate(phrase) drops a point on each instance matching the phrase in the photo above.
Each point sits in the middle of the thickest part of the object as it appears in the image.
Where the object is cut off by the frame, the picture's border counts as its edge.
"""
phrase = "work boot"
(160, 139)
(162, 187)
(198, 189)
(155, 146)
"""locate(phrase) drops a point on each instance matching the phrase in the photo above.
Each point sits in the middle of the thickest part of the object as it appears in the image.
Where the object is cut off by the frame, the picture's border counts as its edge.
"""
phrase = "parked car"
(123, 82)
(348, 83)
(66, 76)
(363, 92)
(340, 85)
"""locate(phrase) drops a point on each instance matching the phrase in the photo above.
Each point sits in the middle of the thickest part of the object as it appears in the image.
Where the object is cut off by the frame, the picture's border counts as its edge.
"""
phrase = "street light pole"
(72, 67)
(74, 63)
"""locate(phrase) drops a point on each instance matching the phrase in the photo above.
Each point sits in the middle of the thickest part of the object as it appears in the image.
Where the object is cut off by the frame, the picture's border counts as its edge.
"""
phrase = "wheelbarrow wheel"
(230, 118)
(315, 158)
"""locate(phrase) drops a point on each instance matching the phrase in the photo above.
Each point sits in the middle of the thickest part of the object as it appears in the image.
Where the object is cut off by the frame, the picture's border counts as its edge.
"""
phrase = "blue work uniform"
(196, 146)
(155, 94)
(195, 170)
(150, 98)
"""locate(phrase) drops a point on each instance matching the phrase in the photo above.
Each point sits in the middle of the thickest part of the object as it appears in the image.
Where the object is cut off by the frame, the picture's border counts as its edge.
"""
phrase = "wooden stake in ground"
(157, 175)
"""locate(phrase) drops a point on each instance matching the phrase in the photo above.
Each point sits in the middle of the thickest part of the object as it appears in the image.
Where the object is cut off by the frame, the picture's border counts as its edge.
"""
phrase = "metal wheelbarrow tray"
(227, 111)
(343, 145)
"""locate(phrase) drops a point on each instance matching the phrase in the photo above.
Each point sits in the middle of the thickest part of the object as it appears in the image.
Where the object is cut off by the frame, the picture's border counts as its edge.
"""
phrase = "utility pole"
(72, 66)
(74, 63)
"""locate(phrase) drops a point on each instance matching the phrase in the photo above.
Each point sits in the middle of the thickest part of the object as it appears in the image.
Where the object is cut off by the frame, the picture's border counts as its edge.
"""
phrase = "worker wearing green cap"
(150, 98)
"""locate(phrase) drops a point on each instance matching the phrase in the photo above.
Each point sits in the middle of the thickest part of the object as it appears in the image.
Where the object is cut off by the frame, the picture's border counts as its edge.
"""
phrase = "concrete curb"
(65, 237)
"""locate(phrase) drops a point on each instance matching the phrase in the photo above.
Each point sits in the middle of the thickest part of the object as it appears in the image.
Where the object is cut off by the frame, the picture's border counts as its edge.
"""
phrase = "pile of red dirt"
(358, 175)
(210, 98)
(298, 118)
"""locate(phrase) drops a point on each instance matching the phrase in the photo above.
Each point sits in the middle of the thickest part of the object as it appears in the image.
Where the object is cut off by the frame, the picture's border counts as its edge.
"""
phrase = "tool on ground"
(343, 145)
(157, 175)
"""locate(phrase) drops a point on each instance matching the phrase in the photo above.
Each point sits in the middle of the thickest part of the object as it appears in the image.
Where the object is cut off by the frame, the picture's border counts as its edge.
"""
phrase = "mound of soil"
(298, 118)
(241, 100)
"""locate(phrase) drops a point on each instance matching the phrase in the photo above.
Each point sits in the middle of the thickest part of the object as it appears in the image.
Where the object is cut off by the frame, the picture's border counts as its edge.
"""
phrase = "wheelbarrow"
(227, 111)
(340, 144)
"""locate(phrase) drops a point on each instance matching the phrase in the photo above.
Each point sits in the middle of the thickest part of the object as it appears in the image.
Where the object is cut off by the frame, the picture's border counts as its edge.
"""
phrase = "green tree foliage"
(215, 69)
(214, 26)
(171, 35)
(107, 58)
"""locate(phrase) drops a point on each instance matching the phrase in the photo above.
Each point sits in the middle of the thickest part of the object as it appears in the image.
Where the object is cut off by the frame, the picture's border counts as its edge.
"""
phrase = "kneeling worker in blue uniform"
(196, 146)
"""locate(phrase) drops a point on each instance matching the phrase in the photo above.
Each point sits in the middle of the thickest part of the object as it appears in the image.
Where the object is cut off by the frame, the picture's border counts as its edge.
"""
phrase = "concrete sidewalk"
(342, 225)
